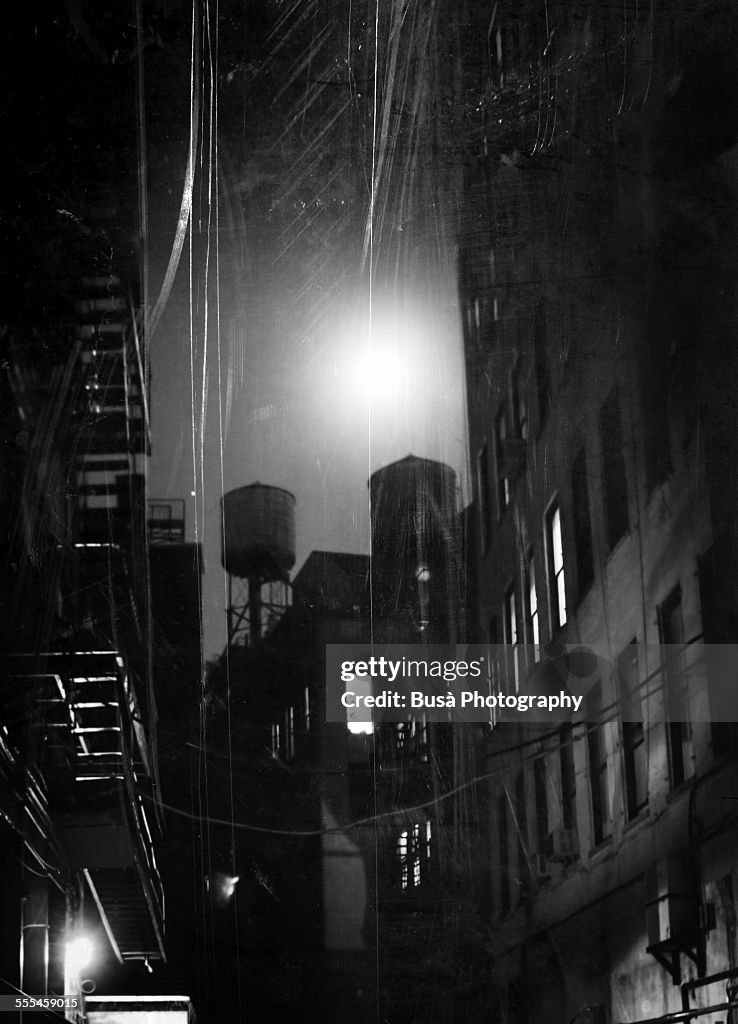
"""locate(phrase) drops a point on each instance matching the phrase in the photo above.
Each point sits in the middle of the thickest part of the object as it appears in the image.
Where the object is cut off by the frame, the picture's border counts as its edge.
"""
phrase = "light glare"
(79, 954)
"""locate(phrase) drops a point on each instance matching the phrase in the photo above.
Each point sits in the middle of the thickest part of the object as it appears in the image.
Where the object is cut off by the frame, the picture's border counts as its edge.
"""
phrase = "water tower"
(258, 553)
(416, 574)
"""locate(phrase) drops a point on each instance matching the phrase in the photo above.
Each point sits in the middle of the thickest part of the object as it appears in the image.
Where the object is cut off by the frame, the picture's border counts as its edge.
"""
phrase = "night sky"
(295, 375)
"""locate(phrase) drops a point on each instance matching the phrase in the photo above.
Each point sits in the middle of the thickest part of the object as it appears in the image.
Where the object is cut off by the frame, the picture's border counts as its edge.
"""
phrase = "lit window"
(412, 847)
(555, 550)
(402, 858)
(535, 637)
(307, 709)
(275, 740)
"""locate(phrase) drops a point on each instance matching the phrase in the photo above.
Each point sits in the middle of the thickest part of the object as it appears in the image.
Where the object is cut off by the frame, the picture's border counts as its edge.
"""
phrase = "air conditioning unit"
(562, 845)
(513, 457)
(673, 912)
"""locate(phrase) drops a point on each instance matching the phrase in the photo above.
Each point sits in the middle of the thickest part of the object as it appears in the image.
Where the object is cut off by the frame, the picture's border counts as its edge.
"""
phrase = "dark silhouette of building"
(362, 833)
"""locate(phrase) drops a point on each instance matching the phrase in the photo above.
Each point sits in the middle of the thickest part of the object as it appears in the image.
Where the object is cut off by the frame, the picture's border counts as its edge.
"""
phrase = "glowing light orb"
(79, 953)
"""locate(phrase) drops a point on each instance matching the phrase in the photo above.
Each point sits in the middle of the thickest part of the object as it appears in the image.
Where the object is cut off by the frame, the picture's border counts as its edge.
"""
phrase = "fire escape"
(77, 765)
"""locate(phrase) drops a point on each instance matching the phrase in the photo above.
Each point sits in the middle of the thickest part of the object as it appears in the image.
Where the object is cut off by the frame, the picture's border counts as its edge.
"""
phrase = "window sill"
(632, 823)
(600, 851)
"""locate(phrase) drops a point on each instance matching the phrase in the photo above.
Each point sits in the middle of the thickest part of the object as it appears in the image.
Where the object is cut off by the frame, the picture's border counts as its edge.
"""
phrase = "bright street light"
(79, 953)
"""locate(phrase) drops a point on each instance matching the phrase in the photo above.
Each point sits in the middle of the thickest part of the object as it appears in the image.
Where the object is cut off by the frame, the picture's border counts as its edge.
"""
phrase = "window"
(581, 523)
(568, 777)
(503, 483)
(614, 483)
(556, 581)
(413, 849)
(542, 364)
(512, 635)
(485, 517)
(539, 783)
(403, 859)
(676, 696)
(307, 708)
(504, 853)
(598, 780)
(289, 733)
(275, 740)
(717, 628)
(534, 636)
(633, 732)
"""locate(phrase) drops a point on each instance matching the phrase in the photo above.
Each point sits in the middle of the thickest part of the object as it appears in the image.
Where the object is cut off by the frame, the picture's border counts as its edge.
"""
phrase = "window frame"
(533, 606)
(676, 699)
(556, 579)
(512, 631)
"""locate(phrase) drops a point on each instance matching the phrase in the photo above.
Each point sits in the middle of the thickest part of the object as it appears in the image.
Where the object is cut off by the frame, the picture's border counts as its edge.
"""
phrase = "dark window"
(568, 777)
(542, 363)
(598, 782)
(555, 557)
(504, 853)
(485, 512)
(614, 483)
(582, 523)
(719, 626)
(671, 627)
(539, 782)
(503, 483)
(634, 745)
